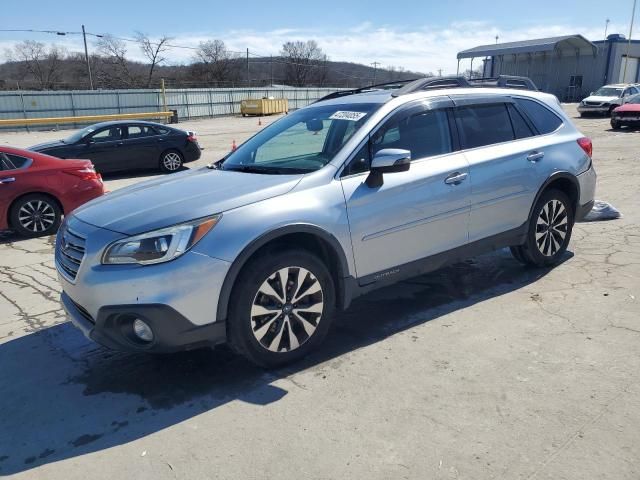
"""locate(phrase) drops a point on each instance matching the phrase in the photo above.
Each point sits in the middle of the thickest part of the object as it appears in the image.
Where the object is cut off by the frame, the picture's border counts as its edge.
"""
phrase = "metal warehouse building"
(570, 66)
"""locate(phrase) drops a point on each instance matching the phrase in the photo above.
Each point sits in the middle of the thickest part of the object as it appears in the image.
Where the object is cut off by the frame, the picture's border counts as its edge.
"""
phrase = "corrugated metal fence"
(190, 103)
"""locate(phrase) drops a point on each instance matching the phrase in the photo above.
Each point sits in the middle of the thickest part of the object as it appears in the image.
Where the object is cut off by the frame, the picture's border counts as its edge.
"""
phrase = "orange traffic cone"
(233, 146)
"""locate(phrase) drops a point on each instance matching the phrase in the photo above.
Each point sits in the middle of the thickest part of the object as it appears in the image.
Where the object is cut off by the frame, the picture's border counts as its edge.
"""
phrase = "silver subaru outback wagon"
(336, 199)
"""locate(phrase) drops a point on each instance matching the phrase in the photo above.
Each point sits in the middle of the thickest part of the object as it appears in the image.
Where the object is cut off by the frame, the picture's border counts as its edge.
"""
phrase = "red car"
(627, 114)
(37, 189)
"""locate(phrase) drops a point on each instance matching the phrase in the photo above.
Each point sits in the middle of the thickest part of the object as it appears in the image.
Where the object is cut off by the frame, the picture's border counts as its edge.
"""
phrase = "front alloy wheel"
(287, 309)
(281, 307)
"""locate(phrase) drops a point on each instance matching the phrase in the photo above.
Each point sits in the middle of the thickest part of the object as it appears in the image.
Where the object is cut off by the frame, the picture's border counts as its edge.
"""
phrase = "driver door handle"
(455, 178)
(7, 180)
(535, 156)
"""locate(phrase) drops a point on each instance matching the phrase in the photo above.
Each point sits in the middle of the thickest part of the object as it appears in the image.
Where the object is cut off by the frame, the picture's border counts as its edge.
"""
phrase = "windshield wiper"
(265, 170)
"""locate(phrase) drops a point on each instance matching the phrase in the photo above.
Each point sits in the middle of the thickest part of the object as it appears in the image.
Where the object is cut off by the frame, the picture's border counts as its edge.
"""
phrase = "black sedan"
(127, 145)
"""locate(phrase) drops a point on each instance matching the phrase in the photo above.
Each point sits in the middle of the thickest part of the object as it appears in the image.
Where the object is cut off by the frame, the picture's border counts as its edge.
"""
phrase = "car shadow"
(625, 130)
(62, 396)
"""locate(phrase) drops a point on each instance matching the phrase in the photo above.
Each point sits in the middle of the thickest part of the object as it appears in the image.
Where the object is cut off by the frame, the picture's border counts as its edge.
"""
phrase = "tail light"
(192, 137)
(85, 173)
(586, 145)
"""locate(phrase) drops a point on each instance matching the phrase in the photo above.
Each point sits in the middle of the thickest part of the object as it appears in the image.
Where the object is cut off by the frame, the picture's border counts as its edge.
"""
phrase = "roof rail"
(368, 88)
(432, 83)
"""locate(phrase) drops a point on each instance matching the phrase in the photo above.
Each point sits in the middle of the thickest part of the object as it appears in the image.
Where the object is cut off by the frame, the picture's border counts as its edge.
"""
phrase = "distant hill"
(70, 74)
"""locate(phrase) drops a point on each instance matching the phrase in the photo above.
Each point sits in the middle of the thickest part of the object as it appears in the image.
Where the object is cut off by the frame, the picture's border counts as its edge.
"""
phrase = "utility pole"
(248, 68)
(606, 27)
(497, 37)
(86, 57)
(375, 71)
(626, 58)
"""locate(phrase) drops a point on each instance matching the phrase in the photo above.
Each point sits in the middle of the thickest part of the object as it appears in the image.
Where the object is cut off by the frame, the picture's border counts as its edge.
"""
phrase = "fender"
(556, 176)
(249, 250)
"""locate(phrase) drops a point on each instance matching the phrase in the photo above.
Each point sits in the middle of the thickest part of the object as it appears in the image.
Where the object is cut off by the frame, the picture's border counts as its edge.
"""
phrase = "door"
(503, 157)
(416, 213)
(103, 149)
(141, 148)
(13, 181)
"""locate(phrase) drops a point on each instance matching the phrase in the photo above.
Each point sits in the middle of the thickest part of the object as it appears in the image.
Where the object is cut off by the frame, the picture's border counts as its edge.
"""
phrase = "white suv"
(607, 98)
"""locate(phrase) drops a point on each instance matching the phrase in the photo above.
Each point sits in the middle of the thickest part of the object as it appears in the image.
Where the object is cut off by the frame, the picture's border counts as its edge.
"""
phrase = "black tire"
(171, 161)
(275, 347)
(35, 215)
(545, 246)
(615, 125)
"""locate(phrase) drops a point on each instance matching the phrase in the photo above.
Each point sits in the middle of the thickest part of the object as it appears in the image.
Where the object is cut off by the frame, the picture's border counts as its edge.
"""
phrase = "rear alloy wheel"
(171, 161)
(282, 308)
(35, 215)
(549, 231)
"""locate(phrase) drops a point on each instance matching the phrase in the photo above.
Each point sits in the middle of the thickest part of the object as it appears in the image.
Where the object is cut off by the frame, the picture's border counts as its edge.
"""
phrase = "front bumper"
(172, 332)
(178, 299)
(594, 109)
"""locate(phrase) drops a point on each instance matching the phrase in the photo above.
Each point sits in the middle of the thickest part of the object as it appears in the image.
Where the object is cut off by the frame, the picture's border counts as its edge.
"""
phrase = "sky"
(420, 35)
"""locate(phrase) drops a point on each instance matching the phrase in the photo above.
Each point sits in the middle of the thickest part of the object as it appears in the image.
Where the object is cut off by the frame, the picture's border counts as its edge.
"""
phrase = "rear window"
(482, 125)
(544, 119)
(520, 126)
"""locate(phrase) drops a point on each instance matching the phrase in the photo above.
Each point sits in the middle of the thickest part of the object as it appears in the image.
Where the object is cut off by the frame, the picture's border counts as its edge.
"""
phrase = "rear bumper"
(172, 332)
(587, 182)
(192, 152)
(80, 196)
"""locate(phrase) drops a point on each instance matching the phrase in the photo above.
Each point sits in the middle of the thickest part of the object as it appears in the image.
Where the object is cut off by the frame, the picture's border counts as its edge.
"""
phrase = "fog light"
(142, 330)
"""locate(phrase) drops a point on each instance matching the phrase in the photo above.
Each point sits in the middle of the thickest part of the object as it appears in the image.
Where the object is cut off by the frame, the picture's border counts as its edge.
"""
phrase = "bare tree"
(114, 70)
(43, 65)
(153, 51)
(214, 62)
(301, 58)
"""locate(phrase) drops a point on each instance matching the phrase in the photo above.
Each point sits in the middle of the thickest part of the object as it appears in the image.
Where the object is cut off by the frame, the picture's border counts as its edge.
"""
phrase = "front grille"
(70, 248)
(593, 104)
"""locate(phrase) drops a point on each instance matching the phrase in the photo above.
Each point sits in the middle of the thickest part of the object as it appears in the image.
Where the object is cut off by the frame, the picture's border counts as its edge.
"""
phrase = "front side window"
(425, 134)
(481, 125)
(543, 119)
(301, 142)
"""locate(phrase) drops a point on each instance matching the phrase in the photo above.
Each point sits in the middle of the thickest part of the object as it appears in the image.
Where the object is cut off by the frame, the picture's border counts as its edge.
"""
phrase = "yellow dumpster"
(264, 106)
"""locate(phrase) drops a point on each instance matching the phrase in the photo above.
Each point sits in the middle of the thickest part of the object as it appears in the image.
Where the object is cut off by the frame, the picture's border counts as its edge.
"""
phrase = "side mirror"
(387, 160)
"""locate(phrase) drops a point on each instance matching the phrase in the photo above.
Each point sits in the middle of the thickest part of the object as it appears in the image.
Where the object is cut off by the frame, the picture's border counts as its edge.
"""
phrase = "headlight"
(160, 245)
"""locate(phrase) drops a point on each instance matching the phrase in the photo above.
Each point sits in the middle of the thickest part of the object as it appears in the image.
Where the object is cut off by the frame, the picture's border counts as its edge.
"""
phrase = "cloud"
(425, 49)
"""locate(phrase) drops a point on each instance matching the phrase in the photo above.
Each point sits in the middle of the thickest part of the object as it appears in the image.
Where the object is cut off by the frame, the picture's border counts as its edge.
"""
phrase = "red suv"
(37, 189)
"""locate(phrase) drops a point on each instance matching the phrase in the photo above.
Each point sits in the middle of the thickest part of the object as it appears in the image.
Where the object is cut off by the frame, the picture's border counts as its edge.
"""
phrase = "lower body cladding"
(600, 110)
(159, 308)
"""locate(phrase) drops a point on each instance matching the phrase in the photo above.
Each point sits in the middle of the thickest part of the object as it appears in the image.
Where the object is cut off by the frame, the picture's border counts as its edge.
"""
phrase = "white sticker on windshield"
(353, 116)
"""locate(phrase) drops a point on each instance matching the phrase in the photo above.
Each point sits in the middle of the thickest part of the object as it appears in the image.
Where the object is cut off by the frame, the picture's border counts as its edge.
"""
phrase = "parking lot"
(485, 369)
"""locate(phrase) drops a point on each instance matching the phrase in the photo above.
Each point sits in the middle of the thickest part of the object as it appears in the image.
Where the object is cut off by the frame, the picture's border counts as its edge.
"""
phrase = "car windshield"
(608, 92)
(79, 135)
(301, 142)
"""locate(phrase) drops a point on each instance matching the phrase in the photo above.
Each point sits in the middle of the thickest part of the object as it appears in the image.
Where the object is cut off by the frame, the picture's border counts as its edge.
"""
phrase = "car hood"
(629, 107)
(46, 145)
(599, 99)
(179, 198)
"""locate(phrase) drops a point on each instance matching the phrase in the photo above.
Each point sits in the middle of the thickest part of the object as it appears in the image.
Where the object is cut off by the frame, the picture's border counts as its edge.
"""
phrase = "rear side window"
(544, 119)
(9, 161)
(162, 130)
(520, 127)
(139, 131)
(482, 125)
